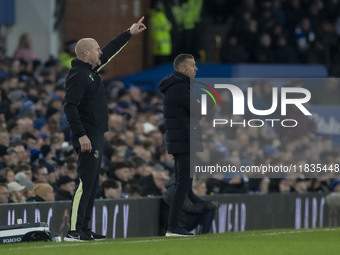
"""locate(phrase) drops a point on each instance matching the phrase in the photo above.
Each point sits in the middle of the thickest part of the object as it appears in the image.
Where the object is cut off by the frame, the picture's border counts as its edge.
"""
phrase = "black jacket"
(193, 204)
(62, 195)
(149, 187)
(177, 111)
(85, 101)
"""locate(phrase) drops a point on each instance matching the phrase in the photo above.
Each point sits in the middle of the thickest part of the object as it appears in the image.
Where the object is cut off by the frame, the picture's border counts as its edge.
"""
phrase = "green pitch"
(271, 242)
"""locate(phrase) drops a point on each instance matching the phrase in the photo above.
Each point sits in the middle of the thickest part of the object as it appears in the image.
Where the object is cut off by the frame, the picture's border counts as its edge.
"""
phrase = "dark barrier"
(140, 217)
(251, 212)
(115, 218)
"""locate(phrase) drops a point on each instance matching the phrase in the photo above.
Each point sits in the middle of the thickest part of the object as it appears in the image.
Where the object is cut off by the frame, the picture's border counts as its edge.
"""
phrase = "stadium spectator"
(5, 159)
(68, 54)
(4, 194)
(111, 189)
(4, 137)
(134, 191)
(28, 192)
(26, 169)
(199, 187)
(263, 53)
(44, 191)
(66, 189)
(8, 173)
(154, 184)
(40, 175)
(160, 29)
(16, 192)
(25, 49)
(233, 52)
(121, 172)
(19, 149)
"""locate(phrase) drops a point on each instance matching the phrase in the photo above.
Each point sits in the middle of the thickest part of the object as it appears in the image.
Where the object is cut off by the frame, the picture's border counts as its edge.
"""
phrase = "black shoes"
(95, 236)
(77, 236)
(178, 232)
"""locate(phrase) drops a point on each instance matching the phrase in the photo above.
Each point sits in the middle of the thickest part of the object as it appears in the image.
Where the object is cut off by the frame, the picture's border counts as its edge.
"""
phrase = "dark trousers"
(181, 188)
(88, 174)
(191, 221)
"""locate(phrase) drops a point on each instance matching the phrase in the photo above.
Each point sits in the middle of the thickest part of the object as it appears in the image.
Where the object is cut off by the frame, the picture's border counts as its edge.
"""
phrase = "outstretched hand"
(138, 27)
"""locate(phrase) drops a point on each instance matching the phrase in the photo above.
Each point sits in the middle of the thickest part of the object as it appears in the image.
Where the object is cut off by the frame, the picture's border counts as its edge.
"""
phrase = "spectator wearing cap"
(23, 181)
(16, 192)
(4, 195)
(66, 188)
(44, 191)
(35, 155)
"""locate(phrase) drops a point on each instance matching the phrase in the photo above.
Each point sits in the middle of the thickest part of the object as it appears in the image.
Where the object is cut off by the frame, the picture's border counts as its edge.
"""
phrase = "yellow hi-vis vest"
(65, 60)
(160, 28)
(197, 5)
(178, 15)
(188, 12)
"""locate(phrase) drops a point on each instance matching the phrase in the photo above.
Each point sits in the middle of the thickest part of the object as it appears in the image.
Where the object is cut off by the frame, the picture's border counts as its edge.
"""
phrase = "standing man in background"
(87, 114)
(181, 125)
(160, 30)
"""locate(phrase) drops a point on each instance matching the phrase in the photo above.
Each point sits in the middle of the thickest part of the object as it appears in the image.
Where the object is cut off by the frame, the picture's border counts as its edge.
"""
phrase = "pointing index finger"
(141, 20)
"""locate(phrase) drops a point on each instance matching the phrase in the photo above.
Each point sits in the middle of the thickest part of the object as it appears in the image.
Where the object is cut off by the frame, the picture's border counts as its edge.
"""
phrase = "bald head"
(88, 50)
(82, 45)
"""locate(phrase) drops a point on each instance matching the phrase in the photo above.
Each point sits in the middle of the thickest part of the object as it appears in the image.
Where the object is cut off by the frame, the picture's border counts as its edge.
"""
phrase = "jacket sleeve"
(113, 48)
(184, 97)
(75, 90)
(180, 94)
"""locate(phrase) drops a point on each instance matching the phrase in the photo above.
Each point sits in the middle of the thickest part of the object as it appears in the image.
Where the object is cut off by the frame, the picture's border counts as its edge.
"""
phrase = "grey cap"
(22, 180)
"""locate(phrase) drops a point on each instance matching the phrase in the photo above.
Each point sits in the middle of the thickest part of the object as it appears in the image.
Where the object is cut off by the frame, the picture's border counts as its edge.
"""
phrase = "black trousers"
(88, 174)
(181, 189)
(191, 221)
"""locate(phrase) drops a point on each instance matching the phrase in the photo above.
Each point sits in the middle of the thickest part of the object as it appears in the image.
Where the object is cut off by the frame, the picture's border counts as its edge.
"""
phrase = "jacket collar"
(183, 76)
(78, 63)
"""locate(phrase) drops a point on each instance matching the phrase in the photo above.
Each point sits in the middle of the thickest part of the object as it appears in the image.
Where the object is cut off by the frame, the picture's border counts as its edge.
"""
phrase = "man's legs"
(181, 189)
(88, 170)
(191, 221)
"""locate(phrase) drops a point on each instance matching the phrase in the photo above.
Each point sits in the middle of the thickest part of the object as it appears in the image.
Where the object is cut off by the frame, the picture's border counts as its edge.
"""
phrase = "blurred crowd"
(38, 163)
(252, 31)
(278, 31)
